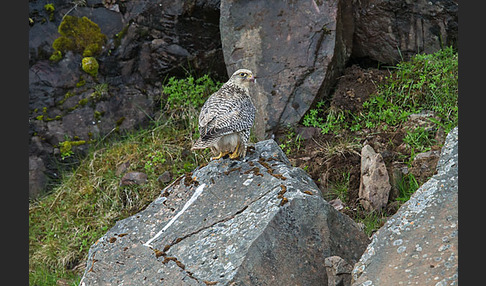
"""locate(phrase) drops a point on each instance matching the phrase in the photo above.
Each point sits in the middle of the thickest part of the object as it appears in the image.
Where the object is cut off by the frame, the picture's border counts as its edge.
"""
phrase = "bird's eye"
(243, 74)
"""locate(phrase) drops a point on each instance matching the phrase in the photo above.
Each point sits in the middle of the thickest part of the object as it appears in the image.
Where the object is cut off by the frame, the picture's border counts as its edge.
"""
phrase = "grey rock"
(37, 179)
(374, 187)
(165, 178)
(389, 31)
(253, 222)
(338, 271)
(424, 165)
(295, 52)
(420, 242)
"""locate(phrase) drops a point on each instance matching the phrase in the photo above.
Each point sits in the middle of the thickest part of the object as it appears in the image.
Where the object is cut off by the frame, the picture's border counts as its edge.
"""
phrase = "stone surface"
(37, 179)
(391, 30)
(374, 187)
(253, 222)
(295, 51)
(338, 271)
(419, 244)
(134, 178)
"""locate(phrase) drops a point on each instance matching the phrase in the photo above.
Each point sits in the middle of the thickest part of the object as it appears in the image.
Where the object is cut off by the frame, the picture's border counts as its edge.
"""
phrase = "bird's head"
(243, 77)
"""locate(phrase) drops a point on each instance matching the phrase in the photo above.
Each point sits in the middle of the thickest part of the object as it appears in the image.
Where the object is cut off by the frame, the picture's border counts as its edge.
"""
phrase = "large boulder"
(419, 244)
(295, 51)
(252, 222)
(390, 31)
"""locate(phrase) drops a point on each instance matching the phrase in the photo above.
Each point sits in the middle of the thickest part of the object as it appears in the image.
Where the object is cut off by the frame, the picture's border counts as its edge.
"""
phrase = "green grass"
(339, 188)
(406, 186)
(426, 82)
(371, 221)
(66, 222)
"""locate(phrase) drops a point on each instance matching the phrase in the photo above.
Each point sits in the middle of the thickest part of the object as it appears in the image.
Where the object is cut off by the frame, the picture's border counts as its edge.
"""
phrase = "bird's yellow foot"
(221, 154)
(235, 154)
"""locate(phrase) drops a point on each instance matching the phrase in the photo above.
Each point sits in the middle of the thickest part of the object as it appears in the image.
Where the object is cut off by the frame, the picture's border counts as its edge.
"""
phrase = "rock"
(420, 242)
(131, 178)
(424, 165)
(374, 185)
(254, 222)
(338, 271)
(122, 168)
(422, 120)
(37, 179)
(165, 178)
(389, 31)
(337, 204)
(295, 51)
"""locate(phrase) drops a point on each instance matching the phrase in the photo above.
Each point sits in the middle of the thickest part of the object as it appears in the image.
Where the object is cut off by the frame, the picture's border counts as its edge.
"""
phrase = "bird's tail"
(199, 145)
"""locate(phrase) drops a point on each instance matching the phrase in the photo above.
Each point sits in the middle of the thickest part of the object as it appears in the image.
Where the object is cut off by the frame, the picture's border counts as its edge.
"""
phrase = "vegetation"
(66, 222)
(428, 82)
(80, 35)
(90, 65)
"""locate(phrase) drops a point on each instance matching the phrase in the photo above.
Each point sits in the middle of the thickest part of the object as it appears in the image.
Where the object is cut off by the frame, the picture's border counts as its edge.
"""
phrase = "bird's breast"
(228, 143)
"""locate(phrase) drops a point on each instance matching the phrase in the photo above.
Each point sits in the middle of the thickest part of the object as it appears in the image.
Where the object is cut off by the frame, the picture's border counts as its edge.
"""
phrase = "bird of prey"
(226, 118)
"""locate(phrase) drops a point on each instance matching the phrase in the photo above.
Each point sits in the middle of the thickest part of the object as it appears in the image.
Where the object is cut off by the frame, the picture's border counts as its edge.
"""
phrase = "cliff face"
(297, 51)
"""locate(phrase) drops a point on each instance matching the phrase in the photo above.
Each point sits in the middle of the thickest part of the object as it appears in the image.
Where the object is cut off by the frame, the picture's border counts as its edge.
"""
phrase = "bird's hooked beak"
(252, 78)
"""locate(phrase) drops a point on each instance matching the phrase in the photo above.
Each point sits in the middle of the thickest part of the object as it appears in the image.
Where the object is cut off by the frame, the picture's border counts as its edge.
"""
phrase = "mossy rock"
(79, 35)
(90, 65)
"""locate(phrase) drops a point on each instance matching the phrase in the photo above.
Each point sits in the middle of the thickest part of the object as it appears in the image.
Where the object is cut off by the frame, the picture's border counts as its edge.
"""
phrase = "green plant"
(153, 160)
(371, 221)
(419, 139)
(291, 142)
(339, 188)
(182, 93)
(65, 147)
(182, 98)
(426, 82)
(406, 186)
(49, 7)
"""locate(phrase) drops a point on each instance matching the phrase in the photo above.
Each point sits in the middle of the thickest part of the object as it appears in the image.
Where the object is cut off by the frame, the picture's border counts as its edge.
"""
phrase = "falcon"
(226, 118)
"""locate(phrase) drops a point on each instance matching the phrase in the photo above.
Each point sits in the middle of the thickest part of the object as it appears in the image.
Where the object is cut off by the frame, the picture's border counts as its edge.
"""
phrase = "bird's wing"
(227, 118)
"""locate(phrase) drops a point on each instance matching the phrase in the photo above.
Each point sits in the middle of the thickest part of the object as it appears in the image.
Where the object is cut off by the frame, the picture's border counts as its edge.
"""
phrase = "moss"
(49, 7)
(90, 65)
(66, 96)
(66, 147)
(63, 44)
(79, 35)
(119, 36)
(56, 56)
(98, 114)
(120, 121)
(83, 102)
(81, 82)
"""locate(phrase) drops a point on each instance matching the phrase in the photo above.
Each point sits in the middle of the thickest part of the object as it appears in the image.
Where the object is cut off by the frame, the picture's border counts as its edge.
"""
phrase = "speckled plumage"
(227, 116)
